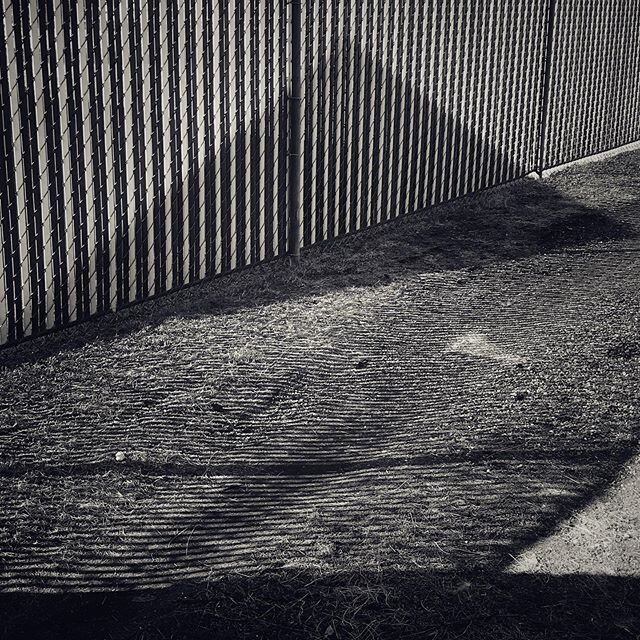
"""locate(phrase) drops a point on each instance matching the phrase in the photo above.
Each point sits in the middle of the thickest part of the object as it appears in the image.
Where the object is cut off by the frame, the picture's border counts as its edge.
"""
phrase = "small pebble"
(120, 456)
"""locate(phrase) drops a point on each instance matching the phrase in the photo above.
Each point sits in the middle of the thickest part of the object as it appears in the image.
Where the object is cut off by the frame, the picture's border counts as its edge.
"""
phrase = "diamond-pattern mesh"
(594, 102)
(144, 144)
(144, 148)
(411, 104)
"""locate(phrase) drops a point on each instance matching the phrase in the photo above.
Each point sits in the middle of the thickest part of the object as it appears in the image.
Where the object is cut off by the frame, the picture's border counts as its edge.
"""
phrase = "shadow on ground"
(510, 222)
(357, 448)
(294, 604)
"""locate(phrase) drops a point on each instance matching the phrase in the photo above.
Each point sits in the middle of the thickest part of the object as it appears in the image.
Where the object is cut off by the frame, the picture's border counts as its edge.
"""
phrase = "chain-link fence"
(144, 148)
(414, 103)
(144, 144)
(594, 98)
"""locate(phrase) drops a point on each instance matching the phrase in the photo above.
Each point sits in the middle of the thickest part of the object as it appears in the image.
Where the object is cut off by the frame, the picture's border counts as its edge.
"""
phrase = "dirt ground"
(426, 430)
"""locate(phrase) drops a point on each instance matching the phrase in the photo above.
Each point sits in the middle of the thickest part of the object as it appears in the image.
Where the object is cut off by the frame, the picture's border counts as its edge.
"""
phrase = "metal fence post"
(295, 134)
(546, 80)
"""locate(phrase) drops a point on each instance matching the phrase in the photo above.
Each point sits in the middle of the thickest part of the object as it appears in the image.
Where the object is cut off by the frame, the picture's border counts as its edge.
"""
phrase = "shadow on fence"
(334, 500)
(221, 210)
(514, 221)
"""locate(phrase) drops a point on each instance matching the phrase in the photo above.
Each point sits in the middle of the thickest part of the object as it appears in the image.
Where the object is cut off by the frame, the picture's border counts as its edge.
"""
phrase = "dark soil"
(299, 605)
(364, 446)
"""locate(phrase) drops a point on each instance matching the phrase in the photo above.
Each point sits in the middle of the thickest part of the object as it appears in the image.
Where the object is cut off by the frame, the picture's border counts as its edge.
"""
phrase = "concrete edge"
(610, 153)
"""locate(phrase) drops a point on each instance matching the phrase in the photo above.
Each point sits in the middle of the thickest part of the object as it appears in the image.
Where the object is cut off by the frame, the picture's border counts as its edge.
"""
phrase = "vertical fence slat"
(144, 145)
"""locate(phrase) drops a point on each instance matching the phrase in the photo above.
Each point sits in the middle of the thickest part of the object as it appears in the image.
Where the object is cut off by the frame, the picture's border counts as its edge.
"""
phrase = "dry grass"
(353, 606)
(354, 448)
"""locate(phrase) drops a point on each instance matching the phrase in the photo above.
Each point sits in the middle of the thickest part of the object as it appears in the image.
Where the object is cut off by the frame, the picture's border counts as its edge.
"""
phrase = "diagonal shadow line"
(414, 243)
(294, 469)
